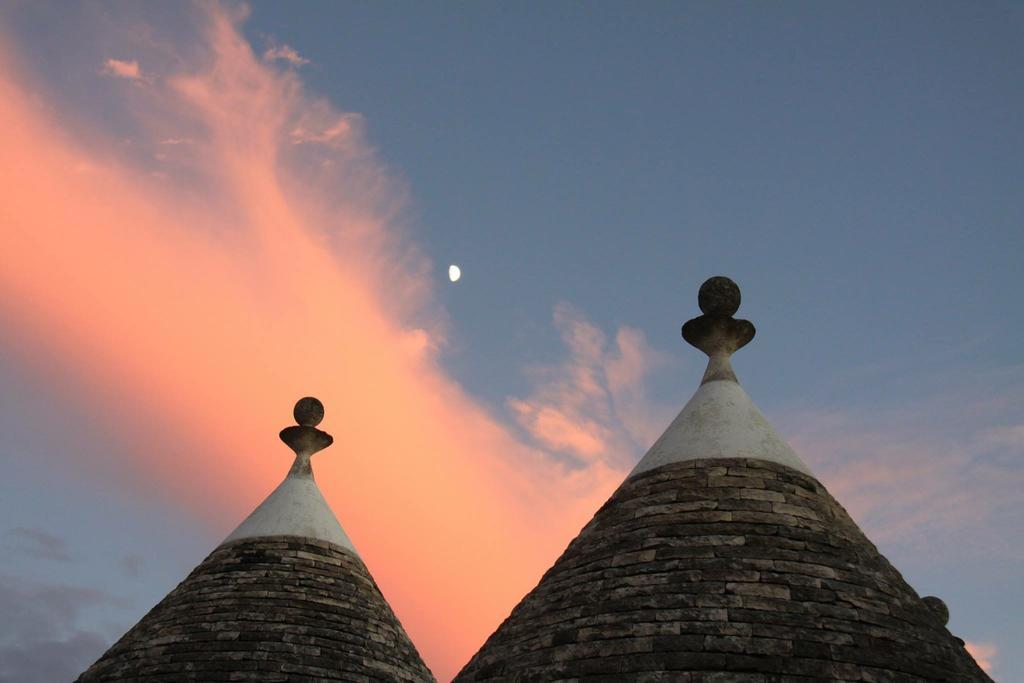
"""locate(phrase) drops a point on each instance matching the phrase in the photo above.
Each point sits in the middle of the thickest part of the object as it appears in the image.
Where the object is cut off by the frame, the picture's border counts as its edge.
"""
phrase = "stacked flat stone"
(703, 567)
(285, 598)
(722, 570)
(269, 609)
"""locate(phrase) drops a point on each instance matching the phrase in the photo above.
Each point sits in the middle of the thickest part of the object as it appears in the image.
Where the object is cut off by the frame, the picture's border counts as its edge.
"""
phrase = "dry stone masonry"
(284, 598)
(721, 558)
(722, 570)
(268, 609)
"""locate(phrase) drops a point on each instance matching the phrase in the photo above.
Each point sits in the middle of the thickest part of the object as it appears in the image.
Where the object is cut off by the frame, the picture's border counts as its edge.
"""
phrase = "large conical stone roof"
(721, 558)
(285, 597)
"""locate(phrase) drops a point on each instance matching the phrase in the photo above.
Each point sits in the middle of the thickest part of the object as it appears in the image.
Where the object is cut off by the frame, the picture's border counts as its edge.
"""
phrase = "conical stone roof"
(721, 558)
(285, 597)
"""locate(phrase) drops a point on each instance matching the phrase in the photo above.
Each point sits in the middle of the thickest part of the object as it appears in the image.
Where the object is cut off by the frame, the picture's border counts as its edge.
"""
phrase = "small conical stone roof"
(721, 558)
(284, 598)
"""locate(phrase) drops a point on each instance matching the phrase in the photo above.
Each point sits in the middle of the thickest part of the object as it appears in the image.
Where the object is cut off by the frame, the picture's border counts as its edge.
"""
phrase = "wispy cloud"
(284, 53)
(594, 405)
(984, 654)
(118, 68)
(333, 131)
(37, 544)
(912, 475)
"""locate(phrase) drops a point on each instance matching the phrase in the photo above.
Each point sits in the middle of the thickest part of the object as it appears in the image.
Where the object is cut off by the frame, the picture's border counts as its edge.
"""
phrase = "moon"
(454, 273)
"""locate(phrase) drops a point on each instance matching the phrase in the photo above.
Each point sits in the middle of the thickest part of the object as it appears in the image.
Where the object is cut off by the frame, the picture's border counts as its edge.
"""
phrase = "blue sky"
(855, 167)
(855, 163)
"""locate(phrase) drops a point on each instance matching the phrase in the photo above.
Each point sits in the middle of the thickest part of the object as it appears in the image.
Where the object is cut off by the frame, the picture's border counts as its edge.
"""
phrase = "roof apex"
(297, 507)
(720, 421)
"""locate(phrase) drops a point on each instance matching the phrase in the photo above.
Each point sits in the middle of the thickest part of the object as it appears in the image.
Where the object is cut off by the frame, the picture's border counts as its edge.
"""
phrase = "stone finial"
(304, 438)
(938, 608)
(719, 296)
(717, 333)
(309, 411)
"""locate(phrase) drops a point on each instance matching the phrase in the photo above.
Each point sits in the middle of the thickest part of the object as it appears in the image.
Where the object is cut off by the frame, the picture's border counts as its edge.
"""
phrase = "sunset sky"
(208, 211)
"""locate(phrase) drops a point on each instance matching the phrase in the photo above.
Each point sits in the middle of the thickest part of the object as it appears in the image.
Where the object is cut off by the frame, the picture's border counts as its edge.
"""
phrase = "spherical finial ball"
(938, 608)
(718, 296)
(309, 411)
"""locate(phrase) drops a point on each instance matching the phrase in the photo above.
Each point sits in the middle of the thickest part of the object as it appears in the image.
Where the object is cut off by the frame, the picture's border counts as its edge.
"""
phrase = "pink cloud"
(984, 654)
(594, 405)
(912, 476)
(327, 132)
(627, 368)
(128, 69)
(284, 53)
(558, 431)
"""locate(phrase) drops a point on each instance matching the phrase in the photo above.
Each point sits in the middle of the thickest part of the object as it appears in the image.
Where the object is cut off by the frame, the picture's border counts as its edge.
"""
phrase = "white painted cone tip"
(295, 508)
(454, 273)
(720, 421)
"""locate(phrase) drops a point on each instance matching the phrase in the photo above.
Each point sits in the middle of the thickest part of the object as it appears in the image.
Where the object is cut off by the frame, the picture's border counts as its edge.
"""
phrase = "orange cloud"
(984, 654)
(189, 308)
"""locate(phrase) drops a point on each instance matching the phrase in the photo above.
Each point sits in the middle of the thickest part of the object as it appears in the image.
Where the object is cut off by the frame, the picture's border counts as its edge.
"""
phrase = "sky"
(208, 211)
